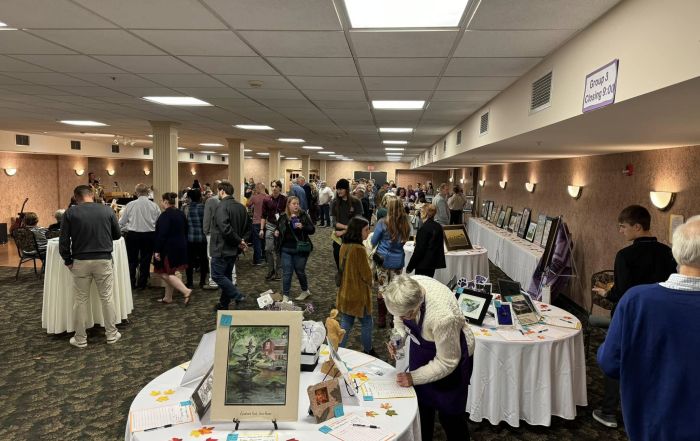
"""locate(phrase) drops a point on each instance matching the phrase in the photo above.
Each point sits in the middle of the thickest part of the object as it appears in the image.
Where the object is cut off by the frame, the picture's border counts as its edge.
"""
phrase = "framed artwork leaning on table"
(257, 364)
(506, 219)
(501, 219)
(541, 220)
(524, 222)
(474, 305)
(531, 229)
(515, 222)
(456, 238)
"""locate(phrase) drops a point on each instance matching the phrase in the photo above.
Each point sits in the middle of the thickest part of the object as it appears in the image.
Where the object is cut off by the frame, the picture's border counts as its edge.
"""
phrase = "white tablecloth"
(460, 263)
(57, 311)
(528, 381)
(406, 423)
(515, 256)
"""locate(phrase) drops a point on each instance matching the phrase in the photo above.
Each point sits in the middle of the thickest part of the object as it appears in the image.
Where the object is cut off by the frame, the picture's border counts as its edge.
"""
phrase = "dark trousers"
(425, 272)
(197, 256)
(336, 255)
(611, 395)
(258, 256)
(455, 217)
(325, 214)
(139, 250)
(221, 269)
(455, 426)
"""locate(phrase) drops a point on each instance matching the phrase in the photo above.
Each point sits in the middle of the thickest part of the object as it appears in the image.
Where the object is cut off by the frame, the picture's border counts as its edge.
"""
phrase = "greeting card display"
(326, 400)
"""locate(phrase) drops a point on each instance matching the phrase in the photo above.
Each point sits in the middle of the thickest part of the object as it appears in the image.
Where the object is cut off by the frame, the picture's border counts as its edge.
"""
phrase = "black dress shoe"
(219, 307)
(372, 353)
(270, 275)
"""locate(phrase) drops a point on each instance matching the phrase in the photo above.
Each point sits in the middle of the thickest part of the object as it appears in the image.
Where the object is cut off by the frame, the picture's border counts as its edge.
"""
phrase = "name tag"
(277, 216)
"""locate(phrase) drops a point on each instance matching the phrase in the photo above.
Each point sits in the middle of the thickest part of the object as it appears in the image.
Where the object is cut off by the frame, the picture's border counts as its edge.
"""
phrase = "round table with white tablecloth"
(528, 380)
(459, 263)
(405, 423)
(57, 310)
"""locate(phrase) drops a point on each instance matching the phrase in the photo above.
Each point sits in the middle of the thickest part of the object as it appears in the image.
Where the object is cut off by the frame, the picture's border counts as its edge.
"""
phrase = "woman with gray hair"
(440, 353)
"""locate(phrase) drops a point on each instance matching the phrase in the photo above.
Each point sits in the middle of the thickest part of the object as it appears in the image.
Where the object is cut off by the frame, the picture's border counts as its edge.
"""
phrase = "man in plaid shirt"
(196, 240)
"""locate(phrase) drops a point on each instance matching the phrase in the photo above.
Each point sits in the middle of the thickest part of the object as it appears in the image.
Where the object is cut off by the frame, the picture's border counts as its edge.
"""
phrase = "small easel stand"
(237, 421)
(548, 274)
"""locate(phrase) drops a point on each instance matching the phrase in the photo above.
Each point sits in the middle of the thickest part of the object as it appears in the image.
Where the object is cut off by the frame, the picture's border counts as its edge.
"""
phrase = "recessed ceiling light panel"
(395, 130)
(382, 14)
(211, 144)
(253, 127)
(397, 149)
(312, 147)
(176, 100)
(398, 104)
(327, 152)
(263, 154)
(290, 140)
(80, 122)
(395, 142)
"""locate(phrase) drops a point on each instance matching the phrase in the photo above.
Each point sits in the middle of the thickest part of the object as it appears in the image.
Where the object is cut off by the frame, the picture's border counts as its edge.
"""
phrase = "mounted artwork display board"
(524, 223)
(257, 366)
(456, 238)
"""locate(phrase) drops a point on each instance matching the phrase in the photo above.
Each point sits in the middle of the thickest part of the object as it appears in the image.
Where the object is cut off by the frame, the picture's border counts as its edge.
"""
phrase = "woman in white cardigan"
(442, 345)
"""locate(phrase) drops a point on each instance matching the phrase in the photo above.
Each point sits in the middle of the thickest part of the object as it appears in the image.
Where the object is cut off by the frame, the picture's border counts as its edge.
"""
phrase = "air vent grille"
(459, 137)
(115, 148)
(223, 159)
(22, 139)
(444, 146)
(541, 93)
(208, 157)
(146, 152)
(484, 123)
(75, 145)
(191, 155)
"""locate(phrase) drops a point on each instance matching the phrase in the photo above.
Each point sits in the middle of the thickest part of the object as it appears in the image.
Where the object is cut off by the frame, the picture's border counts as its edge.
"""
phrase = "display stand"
(237, 421)
(548, 273)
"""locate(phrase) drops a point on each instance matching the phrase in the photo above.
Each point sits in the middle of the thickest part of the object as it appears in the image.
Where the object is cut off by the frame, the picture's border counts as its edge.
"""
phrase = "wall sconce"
(482, 182)
(574, 191)
(110, 171)
(146, 171)
(10, 171)
(193, 171)
(451, 179)
(530, 187)
(79, 172)
(502, 184)
(662, 199)
(461, 180)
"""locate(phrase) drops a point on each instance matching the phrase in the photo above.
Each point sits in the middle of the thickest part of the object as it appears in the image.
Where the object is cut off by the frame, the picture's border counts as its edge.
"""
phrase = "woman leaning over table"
(440, 352)
(170, 248)
(354, 298)
(294, 227)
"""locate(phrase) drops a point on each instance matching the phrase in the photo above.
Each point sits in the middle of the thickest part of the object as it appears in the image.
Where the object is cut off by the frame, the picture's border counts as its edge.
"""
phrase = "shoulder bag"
(303, 246)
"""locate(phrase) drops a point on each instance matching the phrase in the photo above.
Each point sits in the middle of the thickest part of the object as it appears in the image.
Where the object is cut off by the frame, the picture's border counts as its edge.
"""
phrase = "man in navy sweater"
(645, 261)
(652, 347)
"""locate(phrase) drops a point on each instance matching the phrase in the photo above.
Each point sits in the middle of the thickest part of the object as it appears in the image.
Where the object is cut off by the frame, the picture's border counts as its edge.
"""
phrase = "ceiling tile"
(405, 67)
(400, 94)
(278, 15)
(20, 42)
(349, 105)
(315, 66)
(402, 43)
(99, 42)
(117, 80)
(490, 67)
(8, 64)
(298, 43)
(285, 94)
(89, 91)
(327, 83)
(511, 43)
(464, 95)
(335, 95)
(145, 64)
(183, 80)
(400, 83)
(155, 14)
(269, 81)
(143, 91)
(537, 14)
(54, 14)
(210, 92)
(50, 79)
(69, 63)
(231, 65)
(189, 42)
(475, 83)
(11, 81)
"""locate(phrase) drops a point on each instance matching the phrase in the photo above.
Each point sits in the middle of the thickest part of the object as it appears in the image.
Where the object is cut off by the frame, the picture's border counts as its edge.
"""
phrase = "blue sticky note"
(338, 410)
(325, 429)
(186, 403)
(368, 398)
(226, 320)
(460, 290)
(232, 437)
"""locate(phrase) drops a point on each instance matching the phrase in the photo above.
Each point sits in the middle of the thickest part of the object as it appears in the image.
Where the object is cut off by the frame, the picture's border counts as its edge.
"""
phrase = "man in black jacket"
(646, 261)
(229, 228)
(85, 244)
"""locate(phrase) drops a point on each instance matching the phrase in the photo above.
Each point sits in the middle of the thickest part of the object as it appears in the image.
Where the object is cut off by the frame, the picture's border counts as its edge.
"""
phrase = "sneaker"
(240, 300)
(605, 419)
(75, 343)
(111, 341)
(258, 264)
(285, 299)
(303, 296)
(211, 286)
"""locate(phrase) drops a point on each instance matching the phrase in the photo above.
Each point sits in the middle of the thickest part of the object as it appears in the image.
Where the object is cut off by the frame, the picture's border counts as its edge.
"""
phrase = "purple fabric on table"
(559, 266)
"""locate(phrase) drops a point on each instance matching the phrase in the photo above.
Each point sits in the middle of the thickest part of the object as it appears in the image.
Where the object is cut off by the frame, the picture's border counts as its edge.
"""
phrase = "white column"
(165, 173)
(305, 165)
(273, 167)
(322, 170)
(235, 165)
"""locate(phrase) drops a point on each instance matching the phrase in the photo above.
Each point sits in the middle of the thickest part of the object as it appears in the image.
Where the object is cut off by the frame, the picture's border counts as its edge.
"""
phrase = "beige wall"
(592, 218)
(412, 177)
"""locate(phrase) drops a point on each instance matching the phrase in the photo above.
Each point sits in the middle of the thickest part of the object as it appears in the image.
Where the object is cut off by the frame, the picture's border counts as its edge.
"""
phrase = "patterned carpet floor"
(53, 391)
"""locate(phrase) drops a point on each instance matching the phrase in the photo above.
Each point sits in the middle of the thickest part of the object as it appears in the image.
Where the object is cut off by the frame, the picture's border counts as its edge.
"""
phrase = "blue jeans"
(346, 322)
(326, 214)
(293, 262)
(257, 243)
(221, 269)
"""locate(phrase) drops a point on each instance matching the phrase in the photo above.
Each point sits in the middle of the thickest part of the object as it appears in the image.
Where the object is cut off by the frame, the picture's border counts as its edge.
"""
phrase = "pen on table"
(543, 330)
(363, 425)
(567, 321)
(161, 427)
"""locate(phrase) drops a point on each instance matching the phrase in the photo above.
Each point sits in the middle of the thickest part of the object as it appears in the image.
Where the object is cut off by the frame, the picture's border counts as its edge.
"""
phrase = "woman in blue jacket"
(389, 236)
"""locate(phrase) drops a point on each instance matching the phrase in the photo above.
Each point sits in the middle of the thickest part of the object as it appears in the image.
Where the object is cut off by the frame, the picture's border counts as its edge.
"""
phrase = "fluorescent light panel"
(247, 150)
(312, 147)
(398, 104)
(381, 14)
(263, 154)
(211, 144)
(253, 127)
(208, 152)
(395, 130)
(290, 140)
(395, 142)
(181, 148)
(79, 122)
(327, 152)
(292, 157)
(396, 149)
(176, 100)
(394, 154)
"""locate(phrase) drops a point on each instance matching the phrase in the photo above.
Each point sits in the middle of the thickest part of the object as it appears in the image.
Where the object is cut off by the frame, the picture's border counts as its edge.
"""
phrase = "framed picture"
(506, 219)
(531, 229)
(325, 400)
(523, 308)
(456, 237)
(516, 222)
(541, 219)
(496, 213)
(524, 222)
(202, 394)
(486, 288)
(474, 305)
(549, 245)
(492, 206)
(501, 219)
(257, 364)
(545, 231)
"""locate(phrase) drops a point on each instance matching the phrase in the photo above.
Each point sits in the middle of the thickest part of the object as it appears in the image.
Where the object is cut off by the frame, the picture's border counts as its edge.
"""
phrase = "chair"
(602, 279)
(27, 249)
